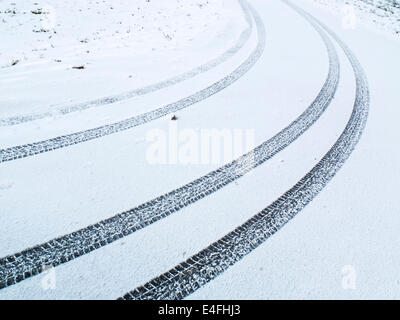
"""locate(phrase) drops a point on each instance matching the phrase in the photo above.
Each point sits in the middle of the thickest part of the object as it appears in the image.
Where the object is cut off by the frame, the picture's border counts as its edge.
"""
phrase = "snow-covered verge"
(65, 52)
(379, 14)
(33, 30)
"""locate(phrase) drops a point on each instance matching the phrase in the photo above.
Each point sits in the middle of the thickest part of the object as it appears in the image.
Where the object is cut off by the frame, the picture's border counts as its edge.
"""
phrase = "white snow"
(378, 15)
(353, 222)
(5, 185)
(122, 44)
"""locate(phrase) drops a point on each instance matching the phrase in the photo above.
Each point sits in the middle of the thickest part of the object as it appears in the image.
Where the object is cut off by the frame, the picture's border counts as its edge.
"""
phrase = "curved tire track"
(203, 267)
(31, 149)
(244, 37)
(27, 263)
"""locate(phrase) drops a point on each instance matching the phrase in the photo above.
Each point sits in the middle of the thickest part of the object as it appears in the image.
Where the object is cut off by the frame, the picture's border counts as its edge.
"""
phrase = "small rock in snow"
(5, 185)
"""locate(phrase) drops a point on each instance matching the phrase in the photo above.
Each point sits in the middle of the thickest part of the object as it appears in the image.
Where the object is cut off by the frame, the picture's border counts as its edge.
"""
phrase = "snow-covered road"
(285, 94)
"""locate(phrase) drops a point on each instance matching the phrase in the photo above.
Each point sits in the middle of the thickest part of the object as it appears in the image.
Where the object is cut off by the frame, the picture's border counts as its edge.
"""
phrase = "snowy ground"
(349, 232)
(382, 15)
(121, 44)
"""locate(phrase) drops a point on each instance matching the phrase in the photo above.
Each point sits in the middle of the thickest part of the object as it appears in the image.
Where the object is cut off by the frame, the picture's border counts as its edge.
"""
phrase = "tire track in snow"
(31, 149)
(30, 262)
(206, 265)
(244, 37)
